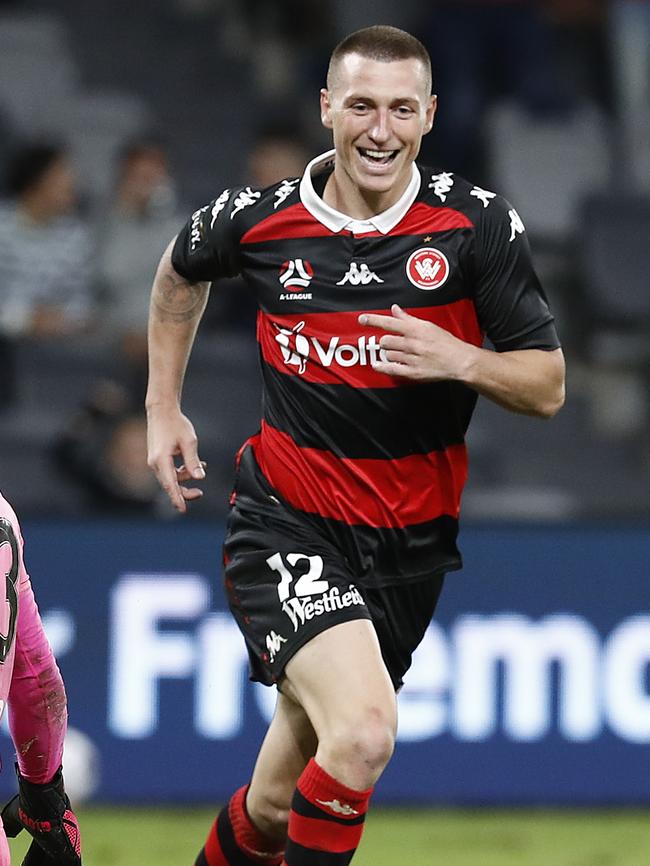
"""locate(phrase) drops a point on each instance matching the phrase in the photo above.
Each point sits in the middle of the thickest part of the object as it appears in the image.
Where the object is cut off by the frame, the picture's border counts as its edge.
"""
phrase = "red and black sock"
(326, 820)
(234, 840)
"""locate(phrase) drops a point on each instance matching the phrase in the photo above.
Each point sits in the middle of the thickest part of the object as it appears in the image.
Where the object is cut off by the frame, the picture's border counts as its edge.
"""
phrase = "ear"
(325, 109)
(430, 113)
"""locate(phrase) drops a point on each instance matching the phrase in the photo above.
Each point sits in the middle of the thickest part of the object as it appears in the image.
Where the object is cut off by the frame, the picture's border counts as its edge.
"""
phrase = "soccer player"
(376, 280)
(31, 685)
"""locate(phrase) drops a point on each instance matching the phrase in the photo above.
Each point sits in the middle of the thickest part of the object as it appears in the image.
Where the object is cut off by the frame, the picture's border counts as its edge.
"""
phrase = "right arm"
(174, 315)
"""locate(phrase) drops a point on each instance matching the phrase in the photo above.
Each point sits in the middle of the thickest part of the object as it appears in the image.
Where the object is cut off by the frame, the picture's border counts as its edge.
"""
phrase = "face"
(378, 113)
(56, 188)
(142, 176)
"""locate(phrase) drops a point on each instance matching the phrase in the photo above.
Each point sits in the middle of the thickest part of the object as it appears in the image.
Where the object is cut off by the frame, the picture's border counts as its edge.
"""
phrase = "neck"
(342, 194)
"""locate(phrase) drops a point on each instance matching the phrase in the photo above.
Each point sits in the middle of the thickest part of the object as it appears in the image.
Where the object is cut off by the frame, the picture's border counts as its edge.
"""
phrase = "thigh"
(341, 681)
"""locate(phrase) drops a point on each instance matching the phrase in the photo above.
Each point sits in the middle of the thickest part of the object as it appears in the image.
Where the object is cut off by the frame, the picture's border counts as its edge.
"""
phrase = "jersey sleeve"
(207, 247)
(510, 301)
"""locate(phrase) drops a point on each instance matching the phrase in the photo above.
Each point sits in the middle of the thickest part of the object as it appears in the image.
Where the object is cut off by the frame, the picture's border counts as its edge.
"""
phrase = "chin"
(377, 184)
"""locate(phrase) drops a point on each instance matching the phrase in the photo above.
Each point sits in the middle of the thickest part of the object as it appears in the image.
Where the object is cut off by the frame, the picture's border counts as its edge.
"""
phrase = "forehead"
(356, 75)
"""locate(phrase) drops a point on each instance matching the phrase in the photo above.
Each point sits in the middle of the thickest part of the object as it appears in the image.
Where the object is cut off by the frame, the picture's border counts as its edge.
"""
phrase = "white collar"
(336, 221)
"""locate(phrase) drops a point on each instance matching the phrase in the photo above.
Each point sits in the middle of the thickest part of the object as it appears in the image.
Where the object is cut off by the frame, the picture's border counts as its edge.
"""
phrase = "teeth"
(378, 154)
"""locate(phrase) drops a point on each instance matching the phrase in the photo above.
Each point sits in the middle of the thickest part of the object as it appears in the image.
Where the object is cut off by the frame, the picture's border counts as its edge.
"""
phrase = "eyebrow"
(358, 97)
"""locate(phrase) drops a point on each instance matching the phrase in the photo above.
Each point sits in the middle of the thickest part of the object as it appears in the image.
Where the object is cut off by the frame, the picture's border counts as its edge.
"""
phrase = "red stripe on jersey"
(297, 222)
(370, 492)
(333, 348)
(292, 222)
(319, 835)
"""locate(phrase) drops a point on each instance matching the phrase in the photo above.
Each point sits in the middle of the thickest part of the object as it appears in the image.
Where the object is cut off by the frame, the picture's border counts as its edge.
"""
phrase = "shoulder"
(237, 209)
(479, 204)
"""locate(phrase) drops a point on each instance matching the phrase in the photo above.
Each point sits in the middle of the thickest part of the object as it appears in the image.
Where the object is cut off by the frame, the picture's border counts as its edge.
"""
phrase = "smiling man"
(377, 281)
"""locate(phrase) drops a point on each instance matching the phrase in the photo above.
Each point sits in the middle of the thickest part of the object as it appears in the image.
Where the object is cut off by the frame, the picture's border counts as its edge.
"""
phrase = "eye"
(359, 107)
(404, 111)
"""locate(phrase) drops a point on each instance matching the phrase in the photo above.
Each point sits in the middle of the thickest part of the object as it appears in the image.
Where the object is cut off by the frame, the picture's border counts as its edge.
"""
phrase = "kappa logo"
(441, 184)
(338, 807)
(284, 191)
(359, 275)
(516, 225)
(274, 644)
(483, 195)
(427, 268)
(297, 348)
(218, 206)
(245, 198)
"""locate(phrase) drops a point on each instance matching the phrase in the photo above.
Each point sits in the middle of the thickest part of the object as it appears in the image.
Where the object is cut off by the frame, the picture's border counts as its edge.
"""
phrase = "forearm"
(174, 314)
(529, 381)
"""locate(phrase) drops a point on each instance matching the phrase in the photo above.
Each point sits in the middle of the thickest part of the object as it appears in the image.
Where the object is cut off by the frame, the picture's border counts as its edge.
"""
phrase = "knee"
(270, 812)
(362, 746)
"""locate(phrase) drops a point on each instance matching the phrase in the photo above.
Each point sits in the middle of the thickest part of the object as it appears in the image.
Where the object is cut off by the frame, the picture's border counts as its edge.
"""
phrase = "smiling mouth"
(377, 157)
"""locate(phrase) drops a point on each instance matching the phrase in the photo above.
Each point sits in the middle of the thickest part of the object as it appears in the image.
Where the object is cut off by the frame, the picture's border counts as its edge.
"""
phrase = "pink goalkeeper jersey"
(16, 581)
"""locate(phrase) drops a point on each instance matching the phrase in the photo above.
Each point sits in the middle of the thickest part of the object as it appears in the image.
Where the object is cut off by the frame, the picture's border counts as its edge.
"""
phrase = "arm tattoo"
(174, 299)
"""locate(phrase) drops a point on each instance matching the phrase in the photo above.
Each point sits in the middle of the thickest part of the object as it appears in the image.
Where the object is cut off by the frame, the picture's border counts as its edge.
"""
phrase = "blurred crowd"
(547, 100)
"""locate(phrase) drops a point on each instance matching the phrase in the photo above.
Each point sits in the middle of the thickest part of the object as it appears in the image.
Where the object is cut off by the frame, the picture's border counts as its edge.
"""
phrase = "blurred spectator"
(140, 223)
(278, 152)
(46, 285)
(104, 449)
(481, 50)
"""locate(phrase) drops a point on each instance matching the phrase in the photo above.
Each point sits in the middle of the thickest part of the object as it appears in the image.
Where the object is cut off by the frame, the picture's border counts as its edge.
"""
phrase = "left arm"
(529, 381)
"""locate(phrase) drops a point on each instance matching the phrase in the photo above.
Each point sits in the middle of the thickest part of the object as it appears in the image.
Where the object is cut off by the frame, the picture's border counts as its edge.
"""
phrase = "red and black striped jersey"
(378, 463)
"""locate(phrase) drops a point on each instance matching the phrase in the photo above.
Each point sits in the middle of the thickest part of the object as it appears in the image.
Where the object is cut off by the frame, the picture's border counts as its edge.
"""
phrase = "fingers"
(393, 368)
(184, 474)
(386, 323)
(165, 471)
(190, 458)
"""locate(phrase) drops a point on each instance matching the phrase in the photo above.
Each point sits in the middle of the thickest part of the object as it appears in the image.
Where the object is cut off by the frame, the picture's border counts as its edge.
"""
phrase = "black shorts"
(286, 583)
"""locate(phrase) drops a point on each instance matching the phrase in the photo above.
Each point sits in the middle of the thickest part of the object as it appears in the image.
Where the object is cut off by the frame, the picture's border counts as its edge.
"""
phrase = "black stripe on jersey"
(201, 860)
(303, 807)
(381, 423)
(395, 554)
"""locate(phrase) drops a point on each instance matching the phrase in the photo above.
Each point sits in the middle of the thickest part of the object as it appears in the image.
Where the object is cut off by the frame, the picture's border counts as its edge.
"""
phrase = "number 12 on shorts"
(307, 584)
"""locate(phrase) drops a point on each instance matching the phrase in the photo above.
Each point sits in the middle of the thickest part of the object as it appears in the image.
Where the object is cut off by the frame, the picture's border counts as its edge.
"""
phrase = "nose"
(381, 131)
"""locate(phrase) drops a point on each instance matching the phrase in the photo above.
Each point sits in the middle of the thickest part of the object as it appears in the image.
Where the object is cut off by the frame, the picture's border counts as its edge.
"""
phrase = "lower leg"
(252, 828)
(353, 709)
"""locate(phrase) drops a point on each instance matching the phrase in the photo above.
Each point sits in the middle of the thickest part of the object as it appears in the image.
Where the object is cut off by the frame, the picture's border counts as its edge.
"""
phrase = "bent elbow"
(552, 406)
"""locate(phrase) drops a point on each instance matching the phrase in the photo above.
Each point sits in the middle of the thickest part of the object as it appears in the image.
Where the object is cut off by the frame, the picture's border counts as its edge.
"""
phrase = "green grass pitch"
(171, 837)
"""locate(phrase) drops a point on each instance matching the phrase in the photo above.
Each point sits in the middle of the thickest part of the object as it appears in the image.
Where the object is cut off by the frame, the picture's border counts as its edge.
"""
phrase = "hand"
(416, 349)
(171, 434)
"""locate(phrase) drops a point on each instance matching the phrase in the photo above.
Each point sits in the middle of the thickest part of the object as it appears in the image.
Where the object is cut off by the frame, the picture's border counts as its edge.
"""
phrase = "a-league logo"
(427, 268)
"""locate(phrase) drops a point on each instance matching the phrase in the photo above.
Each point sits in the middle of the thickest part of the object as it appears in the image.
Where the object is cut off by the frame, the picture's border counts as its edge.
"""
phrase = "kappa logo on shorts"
(274, 644)
(427, 268)
(297, 598)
